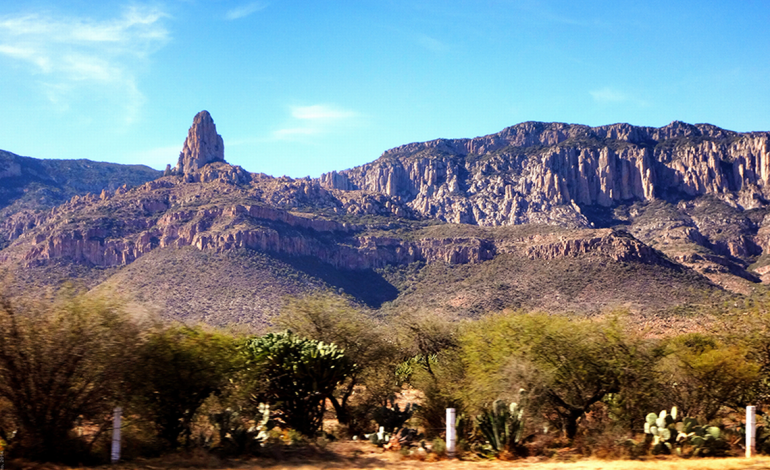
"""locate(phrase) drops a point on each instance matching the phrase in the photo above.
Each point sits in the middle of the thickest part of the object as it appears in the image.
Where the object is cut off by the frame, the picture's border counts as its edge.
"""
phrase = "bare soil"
(363, 455)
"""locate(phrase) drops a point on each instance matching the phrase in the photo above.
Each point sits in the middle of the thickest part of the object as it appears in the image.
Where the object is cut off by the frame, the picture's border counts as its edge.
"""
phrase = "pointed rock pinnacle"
(203, 145)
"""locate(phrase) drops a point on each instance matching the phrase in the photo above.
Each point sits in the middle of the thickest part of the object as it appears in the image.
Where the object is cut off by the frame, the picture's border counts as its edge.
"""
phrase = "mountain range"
(561, 217)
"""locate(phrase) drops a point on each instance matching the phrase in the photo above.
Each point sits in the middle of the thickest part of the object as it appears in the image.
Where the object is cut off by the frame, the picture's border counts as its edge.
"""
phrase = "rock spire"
(203, 145)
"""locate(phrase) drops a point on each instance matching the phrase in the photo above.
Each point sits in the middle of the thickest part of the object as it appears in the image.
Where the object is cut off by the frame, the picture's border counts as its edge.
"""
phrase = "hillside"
(696, 192)
(539, 216)
(29, 183)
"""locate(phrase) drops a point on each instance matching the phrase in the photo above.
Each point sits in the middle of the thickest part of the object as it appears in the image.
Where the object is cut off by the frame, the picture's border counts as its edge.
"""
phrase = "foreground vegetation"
(523, 384)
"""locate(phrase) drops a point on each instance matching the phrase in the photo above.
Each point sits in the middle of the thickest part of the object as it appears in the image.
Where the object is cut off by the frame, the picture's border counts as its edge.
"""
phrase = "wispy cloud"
(608, 95)
(315, 119)
(431, 43)
(64, 53)
(321, 112)
(245, 10)
(612, 96)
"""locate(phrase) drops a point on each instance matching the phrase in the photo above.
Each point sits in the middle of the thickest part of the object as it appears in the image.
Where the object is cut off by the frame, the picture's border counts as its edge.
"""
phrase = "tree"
(175, 370)
(62, 359)
(703, 374)
(428, 342)
(333, 320)
(567, 364)
(300, 373)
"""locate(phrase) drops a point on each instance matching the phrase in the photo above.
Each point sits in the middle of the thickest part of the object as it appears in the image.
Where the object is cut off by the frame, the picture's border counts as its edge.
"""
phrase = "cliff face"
(546, 201)
(154, 216)
(545, 173)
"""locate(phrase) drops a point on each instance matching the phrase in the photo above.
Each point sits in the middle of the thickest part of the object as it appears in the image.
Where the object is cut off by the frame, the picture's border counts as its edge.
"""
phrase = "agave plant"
(502, 426)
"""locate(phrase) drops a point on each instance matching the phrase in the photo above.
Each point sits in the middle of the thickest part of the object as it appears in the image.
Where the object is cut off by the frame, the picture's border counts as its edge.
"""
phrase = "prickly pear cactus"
(707, 440)
(668, 435)
(661, 429)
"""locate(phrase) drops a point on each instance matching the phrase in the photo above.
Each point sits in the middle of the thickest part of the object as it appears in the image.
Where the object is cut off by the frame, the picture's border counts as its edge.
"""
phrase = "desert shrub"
(62, 360)
(425, 334)
(300, 375)
(175, 370)
(239, 434)
(748, 329)
(364, 340)
(393, 417)
(701, 375)
(565, 365)
(431, 364)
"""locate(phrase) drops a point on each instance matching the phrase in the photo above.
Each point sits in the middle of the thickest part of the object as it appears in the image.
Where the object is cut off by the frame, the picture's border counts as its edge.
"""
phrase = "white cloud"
(245, 10)
(613, 96)
(321, 112)
(609, 95)
(294, 131)
(315, 119)
(64, 53)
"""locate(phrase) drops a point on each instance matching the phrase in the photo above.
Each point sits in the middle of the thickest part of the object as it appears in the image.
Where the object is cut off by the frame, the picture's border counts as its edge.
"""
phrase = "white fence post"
(751, 430)
(451, 432)
(116, 435)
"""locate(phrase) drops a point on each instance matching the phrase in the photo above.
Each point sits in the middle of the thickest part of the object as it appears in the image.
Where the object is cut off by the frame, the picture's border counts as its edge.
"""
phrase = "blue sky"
(304, 87)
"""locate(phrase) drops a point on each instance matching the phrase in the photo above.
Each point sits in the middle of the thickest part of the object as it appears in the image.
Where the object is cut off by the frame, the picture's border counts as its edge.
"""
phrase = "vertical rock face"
(544, 172)
(203, 145)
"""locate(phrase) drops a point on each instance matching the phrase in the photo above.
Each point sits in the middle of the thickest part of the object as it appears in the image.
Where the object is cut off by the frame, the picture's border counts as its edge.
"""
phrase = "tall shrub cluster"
(61, 361)
(513, 378)
(66, 362)
(589, 378)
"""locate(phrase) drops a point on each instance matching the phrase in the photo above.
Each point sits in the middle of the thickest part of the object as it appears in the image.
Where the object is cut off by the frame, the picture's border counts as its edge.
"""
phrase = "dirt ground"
(362, 455)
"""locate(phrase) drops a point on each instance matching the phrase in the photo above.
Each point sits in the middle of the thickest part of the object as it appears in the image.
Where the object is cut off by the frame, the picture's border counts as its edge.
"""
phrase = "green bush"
(62, 360)
(175, 371)
(300, 375)
(701, 374)
(565, 365)
(334, 320)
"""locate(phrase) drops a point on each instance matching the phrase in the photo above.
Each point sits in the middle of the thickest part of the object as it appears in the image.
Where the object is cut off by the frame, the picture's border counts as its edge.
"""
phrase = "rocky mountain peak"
(203, 145)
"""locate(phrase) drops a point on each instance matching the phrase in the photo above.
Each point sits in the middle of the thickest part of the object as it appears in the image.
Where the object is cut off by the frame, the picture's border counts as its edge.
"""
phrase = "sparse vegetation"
(584, 383)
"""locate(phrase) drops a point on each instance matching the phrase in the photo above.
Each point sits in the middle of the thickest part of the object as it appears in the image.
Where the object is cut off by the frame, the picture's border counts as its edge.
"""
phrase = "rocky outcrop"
(683, 189)
(203, 145)
(547, 172)
(116, 228)
(92, 247)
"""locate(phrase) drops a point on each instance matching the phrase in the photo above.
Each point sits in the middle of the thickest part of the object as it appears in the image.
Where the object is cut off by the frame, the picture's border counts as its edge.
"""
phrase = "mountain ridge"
(686, 212)
(31, 183)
